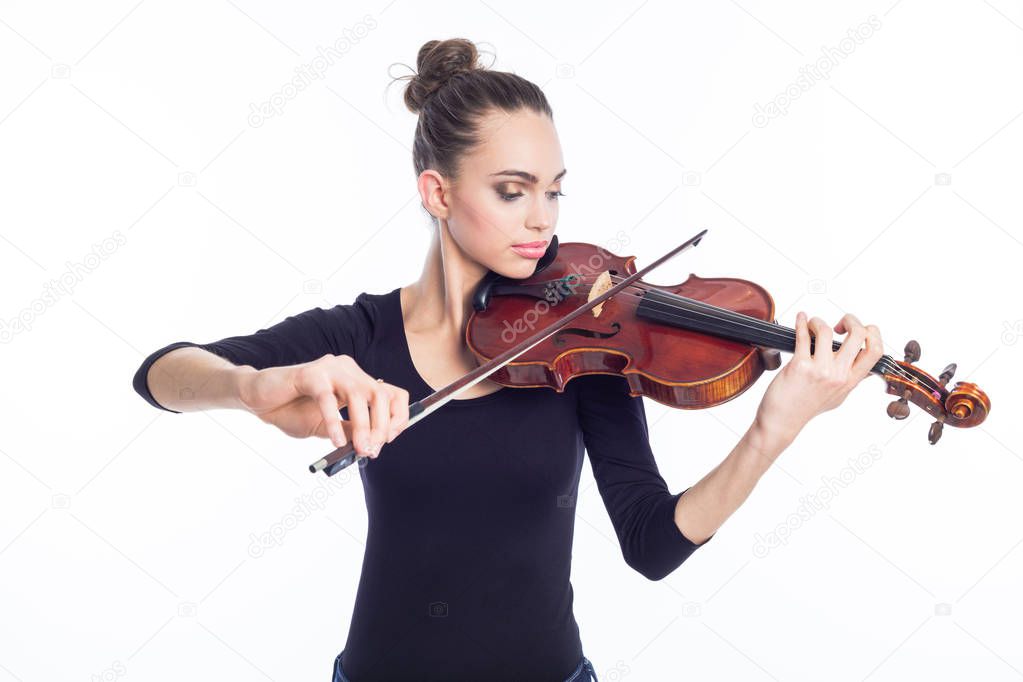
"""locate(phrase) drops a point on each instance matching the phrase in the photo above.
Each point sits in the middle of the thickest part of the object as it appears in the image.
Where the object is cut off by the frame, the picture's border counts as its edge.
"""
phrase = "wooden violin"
(692, 345)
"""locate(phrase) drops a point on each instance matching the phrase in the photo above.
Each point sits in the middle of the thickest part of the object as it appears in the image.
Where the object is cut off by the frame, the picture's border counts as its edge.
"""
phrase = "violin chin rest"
(481, 295)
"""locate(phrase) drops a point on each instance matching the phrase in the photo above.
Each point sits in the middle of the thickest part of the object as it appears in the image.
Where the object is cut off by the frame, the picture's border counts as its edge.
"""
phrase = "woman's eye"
(511, 197)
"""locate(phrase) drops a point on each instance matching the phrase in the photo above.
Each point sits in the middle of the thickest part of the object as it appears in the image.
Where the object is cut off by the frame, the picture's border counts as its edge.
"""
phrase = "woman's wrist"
(240, 379)
(768, 440)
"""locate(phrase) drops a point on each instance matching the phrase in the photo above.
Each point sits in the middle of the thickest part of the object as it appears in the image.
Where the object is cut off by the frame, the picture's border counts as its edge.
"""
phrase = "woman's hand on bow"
(304, 400)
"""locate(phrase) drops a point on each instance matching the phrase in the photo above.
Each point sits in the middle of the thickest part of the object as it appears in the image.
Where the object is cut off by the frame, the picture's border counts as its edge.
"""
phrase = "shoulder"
(358, 322)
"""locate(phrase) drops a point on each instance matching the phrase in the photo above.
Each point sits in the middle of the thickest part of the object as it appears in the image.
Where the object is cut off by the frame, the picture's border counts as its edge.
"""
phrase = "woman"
(468, 554)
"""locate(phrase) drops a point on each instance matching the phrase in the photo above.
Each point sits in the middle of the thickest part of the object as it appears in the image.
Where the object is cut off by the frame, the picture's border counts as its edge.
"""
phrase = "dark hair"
(452, 92)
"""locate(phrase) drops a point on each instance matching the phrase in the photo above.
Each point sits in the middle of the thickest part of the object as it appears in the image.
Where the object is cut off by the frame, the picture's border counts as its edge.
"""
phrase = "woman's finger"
(399, 411)
(821, 340)
(327, 402)
(853, 341)
(358, 414)
(871, 352)
(802, 350)
(380, 417)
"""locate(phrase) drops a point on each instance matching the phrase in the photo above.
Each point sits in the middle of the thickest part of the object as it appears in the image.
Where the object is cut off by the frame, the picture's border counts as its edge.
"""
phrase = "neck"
(440, 301)
(685, 313)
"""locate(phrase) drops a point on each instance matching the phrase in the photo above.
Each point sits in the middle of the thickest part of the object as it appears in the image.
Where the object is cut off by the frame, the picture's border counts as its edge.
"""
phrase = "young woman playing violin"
(467, 561)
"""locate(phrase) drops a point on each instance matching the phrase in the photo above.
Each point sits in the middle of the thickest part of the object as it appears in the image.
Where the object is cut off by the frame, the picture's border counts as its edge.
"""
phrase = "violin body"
(674, 366)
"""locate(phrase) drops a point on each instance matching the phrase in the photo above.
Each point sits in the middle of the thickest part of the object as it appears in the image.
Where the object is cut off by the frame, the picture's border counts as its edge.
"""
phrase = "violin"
(693, 345)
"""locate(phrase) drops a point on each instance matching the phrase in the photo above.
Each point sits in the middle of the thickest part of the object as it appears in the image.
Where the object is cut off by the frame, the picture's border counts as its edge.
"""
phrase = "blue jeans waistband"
(583, 672)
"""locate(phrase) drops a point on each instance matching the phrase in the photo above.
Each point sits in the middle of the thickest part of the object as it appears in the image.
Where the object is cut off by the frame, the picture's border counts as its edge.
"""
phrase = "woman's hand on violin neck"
(304, 400)
(810, 384)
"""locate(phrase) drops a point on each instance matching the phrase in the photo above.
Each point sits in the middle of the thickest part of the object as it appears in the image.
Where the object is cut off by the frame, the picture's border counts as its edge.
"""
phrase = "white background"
(889, 189)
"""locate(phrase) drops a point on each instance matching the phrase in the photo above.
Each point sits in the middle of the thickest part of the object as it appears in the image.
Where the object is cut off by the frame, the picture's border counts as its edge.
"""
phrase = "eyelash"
(513, 197)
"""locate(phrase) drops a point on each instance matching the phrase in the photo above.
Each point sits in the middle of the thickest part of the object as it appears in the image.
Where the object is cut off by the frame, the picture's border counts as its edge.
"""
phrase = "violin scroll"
(964, 406)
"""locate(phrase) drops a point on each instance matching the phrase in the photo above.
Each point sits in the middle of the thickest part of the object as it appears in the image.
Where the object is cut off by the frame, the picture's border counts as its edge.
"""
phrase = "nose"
(541, 215)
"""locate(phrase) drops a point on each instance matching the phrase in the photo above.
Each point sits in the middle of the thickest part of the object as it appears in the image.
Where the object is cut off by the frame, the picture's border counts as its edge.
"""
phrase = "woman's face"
(506, 192)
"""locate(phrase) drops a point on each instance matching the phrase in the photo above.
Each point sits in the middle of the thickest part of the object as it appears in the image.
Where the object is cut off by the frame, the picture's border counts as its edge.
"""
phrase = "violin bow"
(345, 455)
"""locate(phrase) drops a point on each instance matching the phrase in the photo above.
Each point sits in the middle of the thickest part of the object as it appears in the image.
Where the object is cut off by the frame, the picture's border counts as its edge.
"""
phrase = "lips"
(533, 250)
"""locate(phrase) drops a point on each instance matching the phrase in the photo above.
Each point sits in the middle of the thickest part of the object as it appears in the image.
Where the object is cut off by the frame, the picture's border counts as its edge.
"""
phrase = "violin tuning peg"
(912, 351)
(934, 434)
(898, 409)
(947, 374)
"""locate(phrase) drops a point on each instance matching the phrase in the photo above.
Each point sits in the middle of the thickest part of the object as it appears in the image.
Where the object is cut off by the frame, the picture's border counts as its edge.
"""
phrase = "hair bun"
(438, 61)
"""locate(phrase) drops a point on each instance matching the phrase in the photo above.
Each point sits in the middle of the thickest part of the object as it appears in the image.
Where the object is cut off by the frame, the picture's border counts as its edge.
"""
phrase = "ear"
(433, 190)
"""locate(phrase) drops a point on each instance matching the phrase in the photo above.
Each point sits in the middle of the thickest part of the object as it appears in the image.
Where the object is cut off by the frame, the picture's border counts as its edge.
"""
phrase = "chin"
(521, 269)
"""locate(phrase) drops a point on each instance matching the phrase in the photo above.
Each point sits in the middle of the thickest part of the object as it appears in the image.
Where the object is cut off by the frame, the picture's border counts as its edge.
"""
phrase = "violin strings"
(745, 321)
(771, 334)
(722, 314)
(775, 331)
(882, 362)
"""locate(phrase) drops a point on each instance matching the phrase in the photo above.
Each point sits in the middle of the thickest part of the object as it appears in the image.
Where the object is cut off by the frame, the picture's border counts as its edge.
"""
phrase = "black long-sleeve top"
(471, 510)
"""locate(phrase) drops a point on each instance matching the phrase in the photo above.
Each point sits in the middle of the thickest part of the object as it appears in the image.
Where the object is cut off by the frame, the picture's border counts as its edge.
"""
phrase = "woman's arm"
(189, 379)
(207, 376)
(295, 375)
(705, 506)
(638, 501)
(805, 387)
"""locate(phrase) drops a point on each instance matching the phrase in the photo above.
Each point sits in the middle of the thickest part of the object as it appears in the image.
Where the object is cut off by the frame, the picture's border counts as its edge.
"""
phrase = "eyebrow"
(529, 176)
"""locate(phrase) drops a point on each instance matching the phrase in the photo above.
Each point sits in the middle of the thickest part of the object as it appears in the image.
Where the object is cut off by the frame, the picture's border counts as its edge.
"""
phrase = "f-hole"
(589, 333)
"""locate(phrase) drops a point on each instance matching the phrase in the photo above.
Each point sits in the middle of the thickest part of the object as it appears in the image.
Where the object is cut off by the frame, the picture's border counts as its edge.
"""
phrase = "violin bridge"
(602, 284)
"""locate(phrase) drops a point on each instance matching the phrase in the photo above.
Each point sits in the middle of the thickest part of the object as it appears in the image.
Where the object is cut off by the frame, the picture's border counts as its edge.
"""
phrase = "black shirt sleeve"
(641, 508)
(299, 338)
